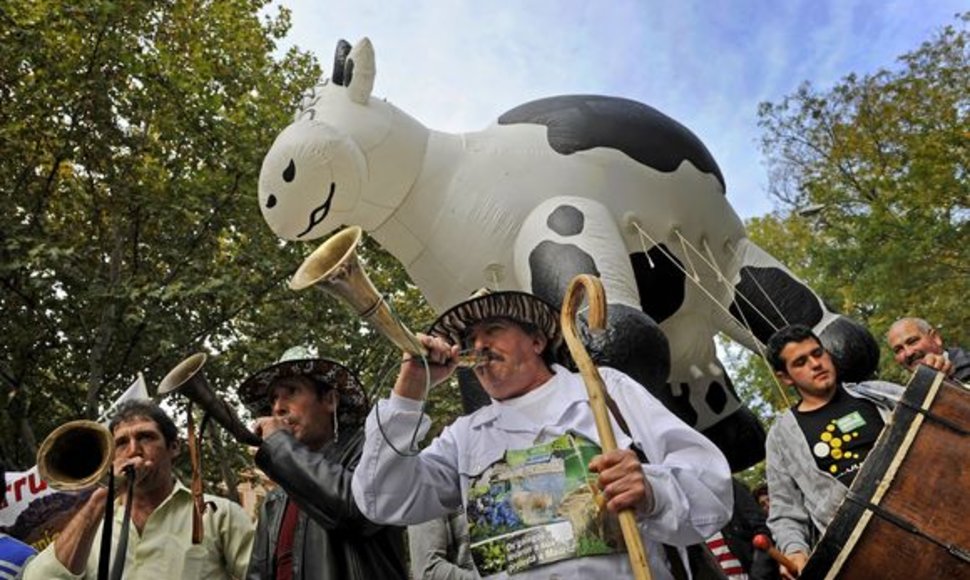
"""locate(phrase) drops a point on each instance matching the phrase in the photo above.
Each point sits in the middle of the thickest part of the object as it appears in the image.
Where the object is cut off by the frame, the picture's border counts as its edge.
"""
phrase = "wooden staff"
(198, 500)
(595, 389)
(763, 542)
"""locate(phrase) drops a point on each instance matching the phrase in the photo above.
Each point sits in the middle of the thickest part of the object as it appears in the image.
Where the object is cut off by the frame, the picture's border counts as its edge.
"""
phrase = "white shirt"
(689, 476)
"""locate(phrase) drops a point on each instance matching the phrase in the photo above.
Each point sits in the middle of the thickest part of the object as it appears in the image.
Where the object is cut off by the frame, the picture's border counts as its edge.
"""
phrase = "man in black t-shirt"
(841, 433)
(815, 448)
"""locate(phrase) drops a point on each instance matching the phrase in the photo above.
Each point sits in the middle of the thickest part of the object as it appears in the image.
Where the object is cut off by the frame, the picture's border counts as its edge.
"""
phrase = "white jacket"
(690, 477)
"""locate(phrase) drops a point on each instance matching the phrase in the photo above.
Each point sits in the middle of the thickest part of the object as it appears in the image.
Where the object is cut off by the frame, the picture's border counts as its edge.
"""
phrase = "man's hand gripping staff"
(615, 480)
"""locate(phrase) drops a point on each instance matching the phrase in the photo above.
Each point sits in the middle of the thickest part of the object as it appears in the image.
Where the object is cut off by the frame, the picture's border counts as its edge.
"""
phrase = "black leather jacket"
(333, 540)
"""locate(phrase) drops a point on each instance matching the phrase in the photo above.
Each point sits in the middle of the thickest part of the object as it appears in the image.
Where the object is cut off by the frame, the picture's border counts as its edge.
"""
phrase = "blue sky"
(456, 65)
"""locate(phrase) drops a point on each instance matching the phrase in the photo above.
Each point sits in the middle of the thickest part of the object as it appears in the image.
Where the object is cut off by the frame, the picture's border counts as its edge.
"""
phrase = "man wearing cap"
(539, 495)
(311, 411)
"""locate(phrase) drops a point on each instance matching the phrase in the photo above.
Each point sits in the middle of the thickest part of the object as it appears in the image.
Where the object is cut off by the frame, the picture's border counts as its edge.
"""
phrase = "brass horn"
(334, 267)
(75, 456)
(187, 378)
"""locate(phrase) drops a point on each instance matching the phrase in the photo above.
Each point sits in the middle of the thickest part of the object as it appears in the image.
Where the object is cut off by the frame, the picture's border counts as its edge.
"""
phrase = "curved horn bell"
(334, 267)
(75, 456)
(187, 378)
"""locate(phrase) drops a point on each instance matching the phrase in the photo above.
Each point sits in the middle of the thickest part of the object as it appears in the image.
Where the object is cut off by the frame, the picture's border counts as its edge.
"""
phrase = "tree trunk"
(229, 477)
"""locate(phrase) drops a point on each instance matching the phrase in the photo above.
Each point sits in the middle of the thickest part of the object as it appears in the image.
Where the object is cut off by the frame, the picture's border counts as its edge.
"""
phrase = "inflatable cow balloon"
(557, 187)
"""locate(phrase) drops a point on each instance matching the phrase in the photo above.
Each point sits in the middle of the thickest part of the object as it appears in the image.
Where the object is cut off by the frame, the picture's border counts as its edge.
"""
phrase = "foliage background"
(870, 179)
(131, 138)
(130, 143)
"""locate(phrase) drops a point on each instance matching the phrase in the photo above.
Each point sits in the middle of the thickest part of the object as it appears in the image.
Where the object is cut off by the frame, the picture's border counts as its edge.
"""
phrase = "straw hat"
(484, 304)
(295, 362)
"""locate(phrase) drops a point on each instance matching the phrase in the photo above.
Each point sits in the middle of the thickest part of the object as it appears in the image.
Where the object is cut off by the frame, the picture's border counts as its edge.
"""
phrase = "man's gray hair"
(923, 326)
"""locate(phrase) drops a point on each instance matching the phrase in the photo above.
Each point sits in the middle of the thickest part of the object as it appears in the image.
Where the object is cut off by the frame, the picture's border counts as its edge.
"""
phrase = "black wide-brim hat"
(351, 410)
(520, 307)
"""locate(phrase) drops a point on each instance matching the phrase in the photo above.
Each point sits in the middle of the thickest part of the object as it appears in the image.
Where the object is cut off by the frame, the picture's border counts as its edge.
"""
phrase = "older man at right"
(539, 494)
(915, 342)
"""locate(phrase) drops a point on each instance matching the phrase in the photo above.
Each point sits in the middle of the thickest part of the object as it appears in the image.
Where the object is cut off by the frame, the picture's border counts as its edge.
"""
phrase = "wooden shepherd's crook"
(596, 318)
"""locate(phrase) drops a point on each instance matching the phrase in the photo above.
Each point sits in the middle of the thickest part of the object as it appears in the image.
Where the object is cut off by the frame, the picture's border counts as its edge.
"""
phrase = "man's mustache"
(914, 358)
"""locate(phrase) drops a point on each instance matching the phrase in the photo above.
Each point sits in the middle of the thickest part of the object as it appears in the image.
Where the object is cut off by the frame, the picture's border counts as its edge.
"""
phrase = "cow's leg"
(699, 390)
(566, 236)
(767, 297)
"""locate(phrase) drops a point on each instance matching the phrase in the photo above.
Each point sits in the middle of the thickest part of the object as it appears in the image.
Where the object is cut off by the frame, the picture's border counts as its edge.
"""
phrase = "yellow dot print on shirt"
(831, 444)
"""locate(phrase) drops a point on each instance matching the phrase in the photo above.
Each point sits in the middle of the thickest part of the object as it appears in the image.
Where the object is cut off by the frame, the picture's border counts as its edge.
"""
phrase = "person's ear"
(539, 343)
(785, 378)
(175, 448)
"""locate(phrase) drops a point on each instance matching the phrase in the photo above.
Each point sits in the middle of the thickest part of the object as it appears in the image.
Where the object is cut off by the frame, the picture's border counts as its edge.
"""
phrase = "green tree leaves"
(132, 137)
(882, 159)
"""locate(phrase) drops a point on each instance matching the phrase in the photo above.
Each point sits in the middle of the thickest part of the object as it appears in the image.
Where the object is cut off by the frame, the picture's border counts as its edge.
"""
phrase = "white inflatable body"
(556, 187)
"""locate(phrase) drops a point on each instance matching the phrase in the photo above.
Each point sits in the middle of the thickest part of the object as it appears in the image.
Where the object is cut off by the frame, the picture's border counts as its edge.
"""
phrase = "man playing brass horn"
(311, 411)
(539, 495)
(160, 545)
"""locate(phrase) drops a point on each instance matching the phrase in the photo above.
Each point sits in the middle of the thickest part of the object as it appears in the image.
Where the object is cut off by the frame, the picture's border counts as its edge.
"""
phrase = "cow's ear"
(340, 62)
(359, 71)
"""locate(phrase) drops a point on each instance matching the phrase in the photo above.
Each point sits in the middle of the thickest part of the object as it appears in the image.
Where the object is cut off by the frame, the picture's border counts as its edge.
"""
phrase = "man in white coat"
(539, 494)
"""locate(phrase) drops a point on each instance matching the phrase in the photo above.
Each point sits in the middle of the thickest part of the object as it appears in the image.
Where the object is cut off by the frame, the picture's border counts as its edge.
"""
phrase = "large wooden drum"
(907, 514)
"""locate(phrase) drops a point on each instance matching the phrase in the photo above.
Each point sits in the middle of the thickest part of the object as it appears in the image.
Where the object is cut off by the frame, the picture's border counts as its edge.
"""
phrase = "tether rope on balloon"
(694, 277)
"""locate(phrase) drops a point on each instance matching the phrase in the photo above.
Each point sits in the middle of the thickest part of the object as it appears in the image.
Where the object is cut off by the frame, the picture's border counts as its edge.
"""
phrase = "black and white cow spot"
(553, 266)
(582, 122)
(679, 402)
(566, 221)
(766, 293)
(734, 436)
(660, 282)
(716, 398)
(632, 343)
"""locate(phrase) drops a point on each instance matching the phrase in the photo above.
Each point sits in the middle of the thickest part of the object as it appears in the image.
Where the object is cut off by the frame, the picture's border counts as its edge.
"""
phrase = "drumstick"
(763, 542)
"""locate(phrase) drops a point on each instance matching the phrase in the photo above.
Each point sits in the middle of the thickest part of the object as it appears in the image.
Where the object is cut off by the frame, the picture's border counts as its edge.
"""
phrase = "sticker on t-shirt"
(850, 422)
(539, 505)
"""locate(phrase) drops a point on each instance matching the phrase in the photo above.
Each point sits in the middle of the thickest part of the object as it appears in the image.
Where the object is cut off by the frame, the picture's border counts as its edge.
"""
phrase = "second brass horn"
(187, 378)
(75, 456)
(334, 267)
